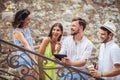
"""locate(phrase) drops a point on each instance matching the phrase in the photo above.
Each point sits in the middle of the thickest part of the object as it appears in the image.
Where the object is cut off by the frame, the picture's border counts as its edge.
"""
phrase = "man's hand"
(67, 61)
(94, 72)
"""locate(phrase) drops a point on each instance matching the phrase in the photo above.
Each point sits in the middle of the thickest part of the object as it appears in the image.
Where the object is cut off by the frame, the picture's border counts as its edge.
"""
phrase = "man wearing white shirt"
(77, 47)
(109, 56)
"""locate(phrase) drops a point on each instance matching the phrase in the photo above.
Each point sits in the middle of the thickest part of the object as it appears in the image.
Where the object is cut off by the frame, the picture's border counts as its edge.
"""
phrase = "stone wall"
(46, 12)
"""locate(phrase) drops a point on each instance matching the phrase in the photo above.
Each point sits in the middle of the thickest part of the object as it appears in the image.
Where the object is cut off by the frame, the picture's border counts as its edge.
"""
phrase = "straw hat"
(110, 26)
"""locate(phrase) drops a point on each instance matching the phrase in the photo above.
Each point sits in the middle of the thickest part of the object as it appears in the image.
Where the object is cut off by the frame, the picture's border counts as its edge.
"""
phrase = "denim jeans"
(75, 76)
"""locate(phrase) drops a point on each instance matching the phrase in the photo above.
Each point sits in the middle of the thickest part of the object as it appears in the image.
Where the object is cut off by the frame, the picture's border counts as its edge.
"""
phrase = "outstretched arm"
(114, 72)
(78, 63)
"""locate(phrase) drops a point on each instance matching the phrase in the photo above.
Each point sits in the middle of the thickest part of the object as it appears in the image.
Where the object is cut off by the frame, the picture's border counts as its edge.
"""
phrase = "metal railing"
(9, 58)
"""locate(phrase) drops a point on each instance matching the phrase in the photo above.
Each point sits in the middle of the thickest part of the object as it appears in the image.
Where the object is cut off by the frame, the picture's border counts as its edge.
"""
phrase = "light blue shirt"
(23, 55)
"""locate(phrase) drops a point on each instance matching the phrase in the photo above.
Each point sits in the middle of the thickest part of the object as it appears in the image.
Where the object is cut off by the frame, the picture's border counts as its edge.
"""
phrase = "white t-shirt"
(76, 51)
(108, 56)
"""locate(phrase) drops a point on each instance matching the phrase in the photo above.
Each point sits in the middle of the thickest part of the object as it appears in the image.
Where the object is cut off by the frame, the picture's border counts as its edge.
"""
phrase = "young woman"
(22, 38)
(47, 48)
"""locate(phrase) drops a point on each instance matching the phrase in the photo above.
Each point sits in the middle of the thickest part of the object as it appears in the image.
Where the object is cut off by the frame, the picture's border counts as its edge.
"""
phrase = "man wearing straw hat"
(109, 56)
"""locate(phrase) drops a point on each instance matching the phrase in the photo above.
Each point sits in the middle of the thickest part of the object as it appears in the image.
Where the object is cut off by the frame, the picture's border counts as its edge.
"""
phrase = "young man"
(109, 56)
(77, 47)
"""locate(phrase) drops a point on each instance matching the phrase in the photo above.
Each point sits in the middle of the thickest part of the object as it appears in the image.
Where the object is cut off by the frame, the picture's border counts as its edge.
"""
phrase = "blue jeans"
(74, 76)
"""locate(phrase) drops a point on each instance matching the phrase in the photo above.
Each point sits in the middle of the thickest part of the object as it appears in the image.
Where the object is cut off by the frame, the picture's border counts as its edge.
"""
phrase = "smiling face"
(75, 28)
(56, 32)
(26, 21)
(105, 36)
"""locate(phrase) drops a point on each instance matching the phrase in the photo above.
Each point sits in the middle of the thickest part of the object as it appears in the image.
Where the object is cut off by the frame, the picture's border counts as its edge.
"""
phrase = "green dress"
(48, 53)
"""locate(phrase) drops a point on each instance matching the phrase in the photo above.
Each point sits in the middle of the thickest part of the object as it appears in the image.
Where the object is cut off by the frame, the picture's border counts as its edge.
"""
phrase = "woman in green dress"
(47, 48)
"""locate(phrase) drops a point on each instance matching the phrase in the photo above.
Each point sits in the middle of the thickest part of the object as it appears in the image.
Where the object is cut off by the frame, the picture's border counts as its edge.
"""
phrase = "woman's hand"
(57, 47)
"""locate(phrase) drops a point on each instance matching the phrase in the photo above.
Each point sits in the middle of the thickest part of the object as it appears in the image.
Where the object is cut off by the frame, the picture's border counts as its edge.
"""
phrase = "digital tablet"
(60, 56)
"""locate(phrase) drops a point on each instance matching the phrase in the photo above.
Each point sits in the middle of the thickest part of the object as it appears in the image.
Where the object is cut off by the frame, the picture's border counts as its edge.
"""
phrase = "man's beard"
(106, 40)
(75, 33)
